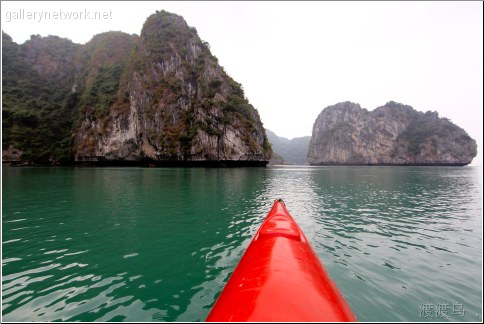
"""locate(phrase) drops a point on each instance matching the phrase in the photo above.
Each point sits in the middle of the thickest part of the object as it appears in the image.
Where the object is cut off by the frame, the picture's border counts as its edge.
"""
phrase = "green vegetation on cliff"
(191, 75)
(37, 110)
(393, 134)
(104, 61)
(428, 127)
(163, 89)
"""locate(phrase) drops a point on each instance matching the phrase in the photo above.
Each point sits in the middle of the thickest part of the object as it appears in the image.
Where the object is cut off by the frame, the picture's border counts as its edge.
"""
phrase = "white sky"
(296, 58)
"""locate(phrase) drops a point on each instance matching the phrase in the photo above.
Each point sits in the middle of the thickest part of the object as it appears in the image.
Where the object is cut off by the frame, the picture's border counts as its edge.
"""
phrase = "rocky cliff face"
(178, 104)
(37, 103)
(393, 134)
(160, 97)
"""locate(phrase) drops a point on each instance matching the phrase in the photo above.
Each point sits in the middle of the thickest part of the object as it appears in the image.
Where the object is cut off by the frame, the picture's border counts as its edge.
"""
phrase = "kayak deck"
(280, 279)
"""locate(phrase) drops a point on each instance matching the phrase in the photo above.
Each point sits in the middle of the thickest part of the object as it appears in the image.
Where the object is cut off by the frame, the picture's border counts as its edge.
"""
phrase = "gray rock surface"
(393, 134)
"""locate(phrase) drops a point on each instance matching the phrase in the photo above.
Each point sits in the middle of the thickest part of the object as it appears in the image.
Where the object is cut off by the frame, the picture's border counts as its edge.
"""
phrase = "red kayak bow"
(280, 279)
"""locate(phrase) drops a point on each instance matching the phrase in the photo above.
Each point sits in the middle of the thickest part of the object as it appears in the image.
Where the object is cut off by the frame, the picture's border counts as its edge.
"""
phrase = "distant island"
(393, 134)
(160, 98)
(288, 151)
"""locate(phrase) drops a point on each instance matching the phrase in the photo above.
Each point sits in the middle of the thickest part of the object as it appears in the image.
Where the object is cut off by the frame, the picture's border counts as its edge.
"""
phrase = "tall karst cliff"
(394, 134)
(37, 102)
(159, 97)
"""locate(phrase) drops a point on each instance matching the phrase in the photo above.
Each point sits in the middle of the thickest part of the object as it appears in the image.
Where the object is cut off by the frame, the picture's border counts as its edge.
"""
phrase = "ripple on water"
(159, 244)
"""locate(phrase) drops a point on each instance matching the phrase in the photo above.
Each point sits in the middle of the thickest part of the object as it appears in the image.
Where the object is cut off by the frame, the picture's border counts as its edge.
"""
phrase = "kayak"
(280, 279)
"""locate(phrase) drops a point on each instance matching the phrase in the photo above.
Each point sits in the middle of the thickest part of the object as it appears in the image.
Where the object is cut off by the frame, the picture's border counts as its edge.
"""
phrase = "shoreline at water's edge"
(390, 164)
(146, 163)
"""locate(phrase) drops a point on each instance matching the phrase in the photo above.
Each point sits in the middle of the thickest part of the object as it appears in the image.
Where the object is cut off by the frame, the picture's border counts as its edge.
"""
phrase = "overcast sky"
(296, 58)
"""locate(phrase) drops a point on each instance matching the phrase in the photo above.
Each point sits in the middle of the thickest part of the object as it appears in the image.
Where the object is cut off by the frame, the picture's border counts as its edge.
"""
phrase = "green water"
(140, 244)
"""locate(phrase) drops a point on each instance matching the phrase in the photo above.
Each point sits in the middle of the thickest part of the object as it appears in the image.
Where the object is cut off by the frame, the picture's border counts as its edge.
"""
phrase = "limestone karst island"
(393, 134)
(158, 97)
(161, 98)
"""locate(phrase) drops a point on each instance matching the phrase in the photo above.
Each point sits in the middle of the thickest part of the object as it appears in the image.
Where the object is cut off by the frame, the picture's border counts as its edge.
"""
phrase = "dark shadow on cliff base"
(149, 163)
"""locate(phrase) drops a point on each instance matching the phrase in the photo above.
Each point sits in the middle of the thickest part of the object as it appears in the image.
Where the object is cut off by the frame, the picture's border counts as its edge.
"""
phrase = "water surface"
(140, 244)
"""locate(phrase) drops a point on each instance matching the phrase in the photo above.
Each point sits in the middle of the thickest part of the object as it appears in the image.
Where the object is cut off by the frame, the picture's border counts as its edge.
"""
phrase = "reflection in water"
(396, 234)
(133, 244)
